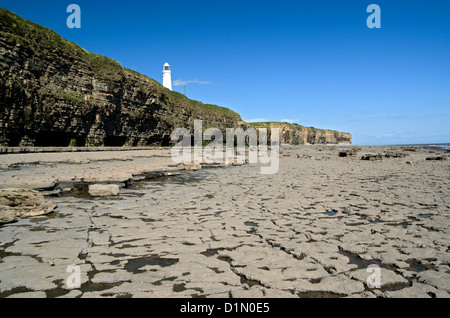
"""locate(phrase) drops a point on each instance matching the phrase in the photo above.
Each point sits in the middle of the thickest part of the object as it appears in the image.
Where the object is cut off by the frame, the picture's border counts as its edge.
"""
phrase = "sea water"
(441, 146)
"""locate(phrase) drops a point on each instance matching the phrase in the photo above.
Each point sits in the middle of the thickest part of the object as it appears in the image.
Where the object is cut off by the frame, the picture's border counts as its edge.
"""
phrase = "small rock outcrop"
(438, 158)
(348, 153)
(370, 157)
(395, 155)
(15, 203)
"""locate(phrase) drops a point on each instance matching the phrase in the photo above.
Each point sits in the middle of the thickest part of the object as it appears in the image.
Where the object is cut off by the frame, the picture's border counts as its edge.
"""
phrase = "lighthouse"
(167, 76)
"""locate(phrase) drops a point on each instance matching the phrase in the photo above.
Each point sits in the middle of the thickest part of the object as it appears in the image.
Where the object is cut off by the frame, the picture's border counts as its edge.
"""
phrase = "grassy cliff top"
(33, 37)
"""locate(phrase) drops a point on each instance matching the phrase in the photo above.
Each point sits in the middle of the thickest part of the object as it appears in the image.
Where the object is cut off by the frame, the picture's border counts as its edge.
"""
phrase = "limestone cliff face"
(298, 135)
(54, 93)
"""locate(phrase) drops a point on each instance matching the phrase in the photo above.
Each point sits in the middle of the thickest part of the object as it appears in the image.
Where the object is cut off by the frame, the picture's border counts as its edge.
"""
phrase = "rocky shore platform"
(133, 224)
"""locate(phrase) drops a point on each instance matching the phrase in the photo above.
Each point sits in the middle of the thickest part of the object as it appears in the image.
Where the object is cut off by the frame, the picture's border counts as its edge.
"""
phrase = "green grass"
(199, 108)
(72, 96)
(35, 37)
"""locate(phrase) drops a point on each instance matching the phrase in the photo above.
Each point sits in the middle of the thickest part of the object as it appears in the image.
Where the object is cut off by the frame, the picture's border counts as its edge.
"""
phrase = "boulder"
(104, 190)
(22, 203)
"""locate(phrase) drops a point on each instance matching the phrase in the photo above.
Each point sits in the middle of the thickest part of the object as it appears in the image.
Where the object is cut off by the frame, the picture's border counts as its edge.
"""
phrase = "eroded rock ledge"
(293, 134)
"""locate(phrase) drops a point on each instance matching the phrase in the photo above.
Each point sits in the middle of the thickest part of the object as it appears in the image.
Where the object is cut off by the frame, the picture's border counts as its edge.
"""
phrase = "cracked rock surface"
(311, 230)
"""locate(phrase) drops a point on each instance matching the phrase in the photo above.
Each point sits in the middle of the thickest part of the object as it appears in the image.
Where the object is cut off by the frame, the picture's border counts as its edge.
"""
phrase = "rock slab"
(104, 190)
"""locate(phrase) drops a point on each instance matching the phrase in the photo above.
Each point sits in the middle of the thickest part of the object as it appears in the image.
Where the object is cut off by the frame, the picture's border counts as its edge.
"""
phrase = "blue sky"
(312, 62)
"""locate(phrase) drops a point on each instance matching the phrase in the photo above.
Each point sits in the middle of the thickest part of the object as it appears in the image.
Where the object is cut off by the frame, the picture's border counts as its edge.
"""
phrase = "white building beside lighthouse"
(167, 76)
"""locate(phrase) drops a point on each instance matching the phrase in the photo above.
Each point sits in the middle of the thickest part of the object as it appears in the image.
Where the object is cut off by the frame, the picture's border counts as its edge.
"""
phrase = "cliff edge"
(55, 93)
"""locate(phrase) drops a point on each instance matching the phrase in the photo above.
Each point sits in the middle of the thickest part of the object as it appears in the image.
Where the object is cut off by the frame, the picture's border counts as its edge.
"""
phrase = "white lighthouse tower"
(167, 76)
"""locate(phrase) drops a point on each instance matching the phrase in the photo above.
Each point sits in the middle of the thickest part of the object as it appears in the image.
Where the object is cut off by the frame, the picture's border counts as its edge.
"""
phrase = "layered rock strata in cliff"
(294, 134)
(54, 93)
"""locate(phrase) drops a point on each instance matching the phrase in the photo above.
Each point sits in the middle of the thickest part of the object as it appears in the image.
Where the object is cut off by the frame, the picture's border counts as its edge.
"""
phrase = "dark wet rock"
(438, 158)
(190, 166)
(304, 156)
(372, 157)
(395, 155)
(348, 153)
